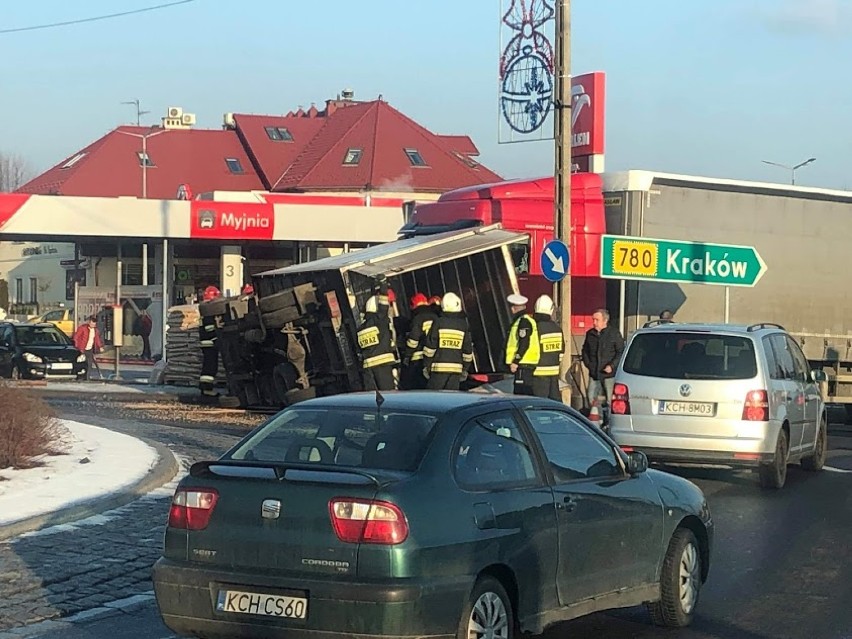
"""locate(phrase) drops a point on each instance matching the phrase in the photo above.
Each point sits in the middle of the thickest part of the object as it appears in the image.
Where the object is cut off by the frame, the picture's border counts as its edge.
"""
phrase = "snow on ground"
(115, 462)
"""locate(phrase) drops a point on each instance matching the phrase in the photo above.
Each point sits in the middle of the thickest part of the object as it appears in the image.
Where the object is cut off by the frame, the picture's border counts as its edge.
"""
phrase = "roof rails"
(757, 327)
(657, 322)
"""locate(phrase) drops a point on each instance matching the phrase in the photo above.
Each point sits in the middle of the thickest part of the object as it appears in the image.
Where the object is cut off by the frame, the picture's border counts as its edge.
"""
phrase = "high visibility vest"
(533, 353)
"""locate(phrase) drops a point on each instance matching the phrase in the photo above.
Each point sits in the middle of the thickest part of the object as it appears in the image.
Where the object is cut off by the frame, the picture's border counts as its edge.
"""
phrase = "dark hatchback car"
(427, 514)
(38, 351)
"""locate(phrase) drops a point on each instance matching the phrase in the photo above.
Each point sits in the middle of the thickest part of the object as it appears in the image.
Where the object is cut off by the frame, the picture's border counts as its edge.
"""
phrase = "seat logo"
(685, 390)
(270, 509)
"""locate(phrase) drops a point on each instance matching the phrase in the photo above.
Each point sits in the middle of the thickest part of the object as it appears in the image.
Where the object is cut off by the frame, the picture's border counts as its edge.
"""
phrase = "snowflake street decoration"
(526, 66)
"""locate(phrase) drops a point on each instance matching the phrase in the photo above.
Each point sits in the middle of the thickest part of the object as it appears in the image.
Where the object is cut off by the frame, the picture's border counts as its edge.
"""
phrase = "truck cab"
(527, 206)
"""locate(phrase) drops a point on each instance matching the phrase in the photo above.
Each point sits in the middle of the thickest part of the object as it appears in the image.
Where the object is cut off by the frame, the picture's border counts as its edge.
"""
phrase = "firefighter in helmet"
(412, 360)
(209, 349)
(545, 381)
(448, 351)
(376, 343)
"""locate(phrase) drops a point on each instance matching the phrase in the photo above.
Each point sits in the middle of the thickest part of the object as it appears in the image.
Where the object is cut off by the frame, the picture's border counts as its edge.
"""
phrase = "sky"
(697, 87)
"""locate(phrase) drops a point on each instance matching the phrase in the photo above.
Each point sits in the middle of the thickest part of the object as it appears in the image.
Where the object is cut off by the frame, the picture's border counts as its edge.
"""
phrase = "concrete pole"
(562, 173)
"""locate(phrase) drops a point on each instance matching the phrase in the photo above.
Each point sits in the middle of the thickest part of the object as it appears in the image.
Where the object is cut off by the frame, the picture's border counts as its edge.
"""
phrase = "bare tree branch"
(14, 171)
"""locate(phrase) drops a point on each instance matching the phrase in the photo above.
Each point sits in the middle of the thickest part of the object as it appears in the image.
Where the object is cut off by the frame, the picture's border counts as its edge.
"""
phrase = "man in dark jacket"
(601, 351)
(448, 351)
(412, 360)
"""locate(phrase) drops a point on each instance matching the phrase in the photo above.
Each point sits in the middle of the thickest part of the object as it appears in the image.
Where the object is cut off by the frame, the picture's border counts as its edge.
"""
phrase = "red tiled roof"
(383, 135)
(311, 161)
(272, 157)
(111, 166)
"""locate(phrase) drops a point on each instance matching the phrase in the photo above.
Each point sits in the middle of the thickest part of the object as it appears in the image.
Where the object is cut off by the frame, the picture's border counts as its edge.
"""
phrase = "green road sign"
(642, 258)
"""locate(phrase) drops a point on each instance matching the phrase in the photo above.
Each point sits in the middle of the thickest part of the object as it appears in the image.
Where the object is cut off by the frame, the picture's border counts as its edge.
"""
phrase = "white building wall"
(32, 269)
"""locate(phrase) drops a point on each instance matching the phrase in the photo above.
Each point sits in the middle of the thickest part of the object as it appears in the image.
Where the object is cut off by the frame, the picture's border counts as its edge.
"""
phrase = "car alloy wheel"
(489, 618)
(690, 578)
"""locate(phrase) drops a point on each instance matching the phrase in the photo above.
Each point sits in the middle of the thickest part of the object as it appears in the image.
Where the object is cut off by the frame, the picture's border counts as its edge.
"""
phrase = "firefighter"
(422, 319)
(522, 346)
(448, 351)
(545, 381)
(375, 339)
(209, 349)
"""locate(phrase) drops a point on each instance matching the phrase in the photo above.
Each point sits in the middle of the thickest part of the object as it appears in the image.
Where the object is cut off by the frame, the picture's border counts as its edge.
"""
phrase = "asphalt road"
(780, 565)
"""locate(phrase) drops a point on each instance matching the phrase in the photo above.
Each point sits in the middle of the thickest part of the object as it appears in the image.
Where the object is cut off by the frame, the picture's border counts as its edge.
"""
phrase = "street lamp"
(791, 169)
(144, 162)
(144, 159)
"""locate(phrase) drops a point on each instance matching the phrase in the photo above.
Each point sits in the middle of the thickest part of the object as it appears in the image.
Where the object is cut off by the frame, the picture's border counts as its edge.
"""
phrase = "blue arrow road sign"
(555, 259)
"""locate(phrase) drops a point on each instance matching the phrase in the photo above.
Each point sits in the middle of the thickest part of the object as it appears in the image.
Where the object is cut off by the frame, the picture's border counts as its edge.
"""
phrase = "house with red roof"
(348, 147)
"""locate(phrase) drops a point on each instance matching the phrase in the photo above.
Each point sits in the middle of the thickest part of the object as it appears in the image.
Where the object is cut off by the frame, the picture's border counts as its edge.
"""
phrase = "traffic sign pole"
(562, 174)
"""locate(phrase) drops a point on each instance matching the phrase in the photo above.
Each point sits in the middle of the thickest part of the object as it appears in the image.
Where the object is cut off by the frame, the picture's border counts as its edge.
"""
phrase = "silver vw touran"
(720, 394)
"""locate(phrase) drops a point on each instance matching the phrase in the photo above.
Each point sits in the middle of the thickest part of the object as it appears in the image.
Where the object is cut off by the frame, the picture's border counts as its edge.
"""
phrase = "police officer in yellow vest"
(522, 347)
(545, 382)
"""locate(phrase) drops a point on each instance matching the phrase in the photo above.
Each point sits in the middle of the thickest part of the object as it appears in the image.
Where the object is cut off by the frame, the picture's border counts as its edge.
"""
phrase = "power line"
(95, 18)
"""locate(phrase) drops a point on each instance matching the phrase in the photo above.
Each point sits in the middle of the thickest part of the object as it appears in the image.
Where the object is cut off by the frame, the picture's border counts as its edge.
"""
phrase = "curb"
(163, 472)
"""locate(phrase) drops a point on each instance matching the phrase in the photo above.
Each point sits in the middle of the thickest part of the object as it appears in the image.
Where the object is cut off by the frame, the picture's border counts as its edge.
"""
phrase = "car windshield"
(351, 437)
(41, 336)
(685, 355)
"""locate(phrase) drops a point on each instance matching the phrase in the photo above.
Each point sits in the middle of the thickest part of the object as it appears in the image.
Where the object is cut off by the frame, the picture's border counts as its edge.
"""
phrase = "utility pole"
(562, 173)
(139, 111)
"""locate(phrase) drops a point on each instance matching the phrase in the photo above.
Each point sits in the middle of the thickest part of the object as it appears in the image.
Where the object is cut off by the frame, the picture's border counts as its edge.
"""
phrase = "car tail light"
(368, 521)
(756, 407)
(620, 402)
(192, 507)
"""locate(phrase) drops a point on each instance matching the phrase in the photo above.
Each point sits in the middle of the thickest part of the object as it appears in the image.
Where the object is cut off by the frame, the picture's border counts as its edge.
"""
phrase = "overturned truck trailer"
(296, 338)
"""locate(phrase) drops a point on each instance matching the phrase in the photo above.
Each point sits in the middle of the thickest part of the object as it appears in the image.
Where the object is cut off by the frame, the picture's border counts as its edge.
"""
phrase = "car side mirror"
(818, 375)
(637, 462)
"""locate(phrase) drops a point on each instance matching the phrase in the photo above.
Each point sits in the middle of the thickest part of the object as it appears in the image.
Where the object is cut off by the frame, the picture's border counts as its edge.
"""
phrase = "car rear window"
(685, 355)
(355, 438)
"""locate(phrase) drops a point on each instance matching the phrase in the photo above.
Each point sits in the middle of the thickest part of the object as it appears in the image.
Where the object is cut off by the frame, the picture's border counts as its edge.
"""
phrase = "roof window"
(415, 158)
(352, 157)
(234, 165)
(279, 133)
(73, 161)
(144, 160)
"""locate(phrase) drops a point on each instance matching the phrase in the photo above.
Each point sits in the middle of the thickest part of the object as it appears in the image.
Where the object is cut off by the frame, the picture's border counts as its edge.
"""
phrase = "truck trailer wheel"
(213, 307)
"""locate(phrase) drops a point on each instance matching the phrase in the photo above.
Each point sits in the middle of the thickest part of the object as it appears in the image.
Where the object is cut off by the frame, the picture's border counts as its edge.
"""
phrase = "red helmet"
(391, 296)
(248, 289)
(435, 300)
(211, 293)
(418, 299)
